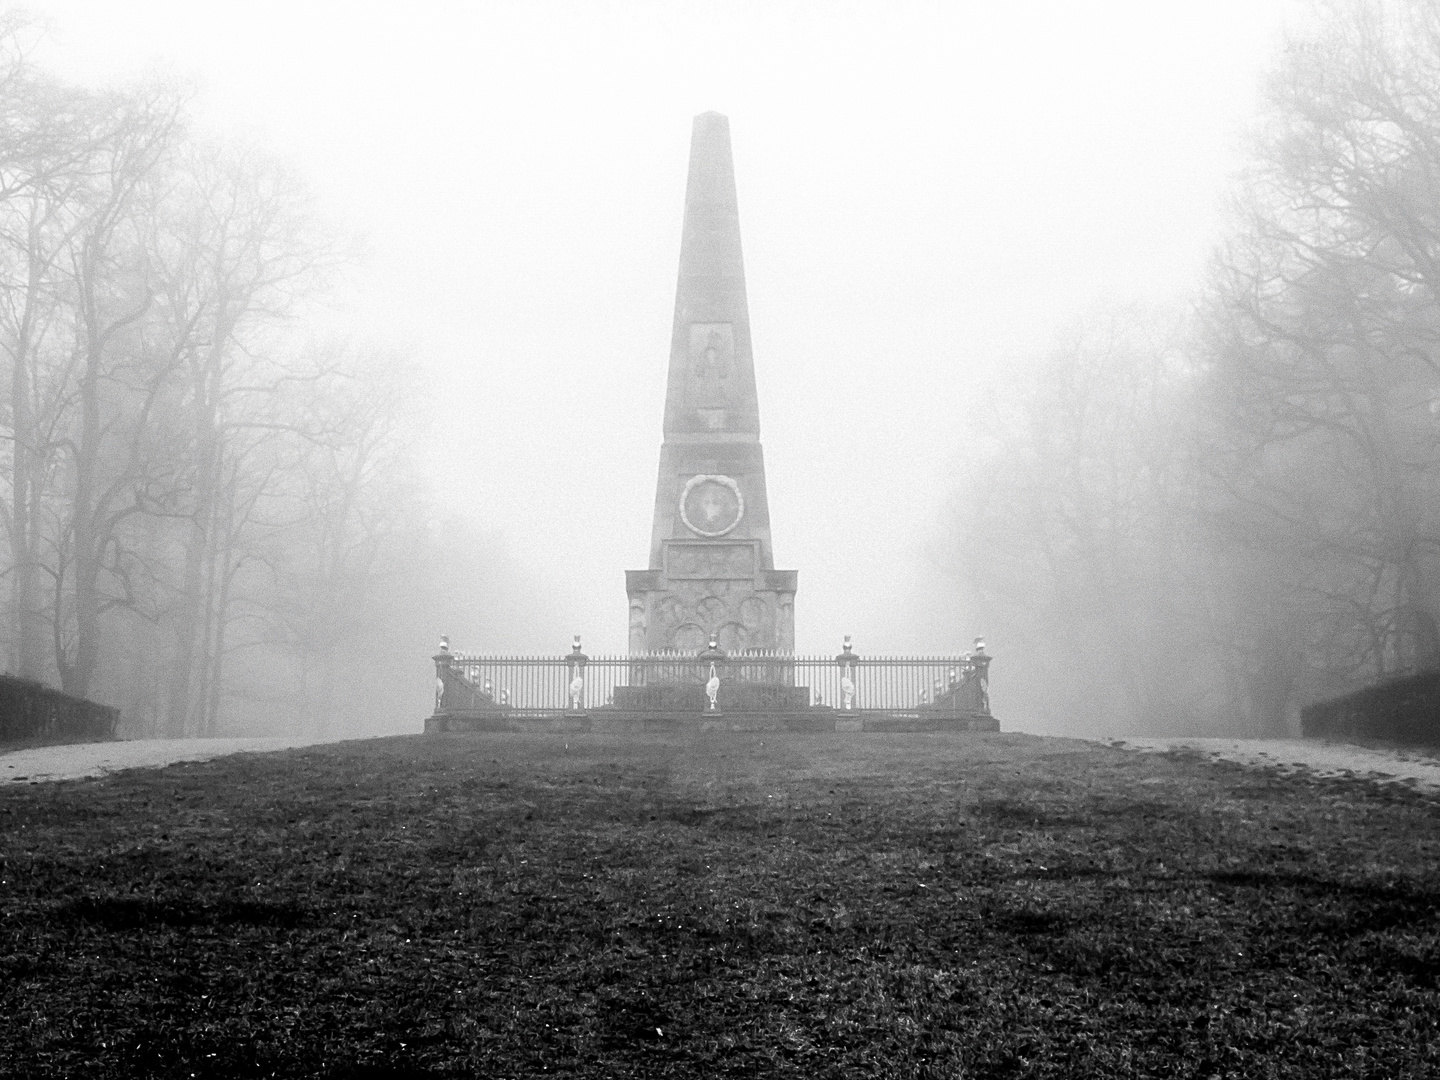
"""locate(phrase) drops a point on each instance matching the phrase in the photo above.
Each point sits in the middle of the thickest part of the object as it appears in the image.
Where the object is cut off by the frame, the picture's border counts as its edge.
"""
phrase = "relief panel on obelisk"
(712, 355)
(711, 573)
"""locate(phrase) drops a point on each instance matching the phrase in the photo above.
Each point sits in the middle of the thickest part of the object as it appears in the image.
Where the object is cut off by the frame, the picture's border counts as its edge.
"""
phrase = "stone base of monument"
(614, 720)
(747, 697)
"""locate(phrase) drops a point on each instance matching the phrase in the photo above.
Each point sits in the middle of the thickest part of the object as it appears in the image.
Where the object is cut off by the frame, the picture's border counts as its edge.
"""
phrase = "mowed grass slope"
(849, 905)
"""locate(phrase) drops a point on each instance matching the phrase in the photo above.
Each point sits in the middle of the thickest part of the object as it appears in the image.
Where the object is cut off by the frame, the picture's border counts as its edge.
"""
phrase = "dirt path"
(94, 759)
(1416, 767)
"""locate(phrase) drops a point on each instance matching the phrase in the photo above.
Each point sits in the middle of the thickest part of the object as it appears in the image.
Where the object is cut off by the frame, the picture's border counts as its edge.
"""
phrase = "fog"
(928, 198)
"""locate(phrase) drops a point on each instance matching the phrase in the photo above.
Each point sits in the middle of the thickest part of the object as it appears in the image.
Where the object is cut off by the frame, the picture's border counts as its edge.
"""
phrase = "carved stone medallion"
(711, 505)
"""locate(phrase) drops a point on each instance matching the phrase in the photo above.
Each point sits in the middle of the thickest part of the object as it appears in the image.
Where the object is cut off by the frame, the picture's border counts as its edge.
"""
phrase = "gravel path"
(1418, 768)
(76, 760)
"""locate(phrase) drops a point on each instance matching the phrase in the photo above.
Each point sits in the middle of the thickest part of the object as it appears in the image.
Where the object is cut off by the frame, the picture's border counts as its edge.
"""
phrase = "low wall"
(33, 713)
(1404, 710)
(618, 722)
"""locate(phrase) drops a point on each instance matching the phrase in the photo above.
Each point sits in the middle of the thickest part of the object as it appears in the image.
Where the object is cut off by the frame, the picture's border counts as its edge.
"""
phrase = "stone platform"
(615, 721)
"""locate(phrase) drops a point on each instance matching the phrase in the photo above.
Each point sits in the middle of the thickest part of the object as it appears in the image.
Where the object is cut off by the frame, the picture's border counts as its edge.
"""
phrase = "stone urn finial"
(575, 668)
(847, 662)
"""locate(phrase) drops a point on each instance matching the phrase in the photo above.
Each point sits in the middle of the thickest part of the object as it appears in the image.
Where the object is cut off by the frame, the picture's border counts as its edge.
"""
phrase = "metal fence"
(543, 685)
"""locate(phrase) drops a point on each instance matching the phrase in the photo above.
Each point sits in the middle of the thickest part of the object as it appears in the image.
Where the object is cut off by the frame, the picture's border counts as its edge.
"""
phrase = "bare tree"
(237, 245)
(1322, 326)
(111, 294)
(71, 289)
(1073, 530)
(193, 497)
(50, 136)
(348, 502)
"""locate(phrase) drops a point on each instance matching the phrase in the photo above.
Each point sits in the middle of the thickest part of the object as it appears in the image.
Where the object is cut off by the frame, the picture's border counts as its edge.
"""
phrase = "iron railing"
(543, 685)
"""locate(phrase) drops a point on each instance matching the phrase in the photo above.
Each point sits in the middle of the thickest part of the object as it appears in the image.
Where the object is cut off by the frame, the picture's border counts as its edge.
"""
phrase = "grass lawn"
(731, 905)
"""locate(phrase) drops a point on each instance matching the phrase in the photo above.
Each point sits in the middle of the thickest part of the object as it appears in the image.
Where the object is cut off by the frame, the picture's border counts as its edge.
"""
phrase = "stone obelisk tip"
(711, 125)
(710, 190)
(712, 378)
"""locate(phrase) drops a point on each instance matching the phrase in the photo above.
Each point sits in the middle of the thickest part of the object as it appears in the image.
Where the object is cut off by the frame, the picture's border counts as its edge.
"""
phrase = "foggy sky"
(924, 196)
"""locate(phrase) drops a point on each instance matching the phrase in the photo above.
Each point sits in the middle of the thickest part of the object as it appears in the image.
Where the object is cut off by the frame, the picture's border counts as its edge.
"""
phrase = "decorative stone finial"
(712, 686)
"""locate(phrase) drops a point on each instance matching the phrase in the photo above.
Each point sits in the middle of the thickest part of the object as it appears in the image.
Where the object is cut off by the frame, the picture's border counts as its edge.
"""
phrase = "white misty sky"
(926, 191)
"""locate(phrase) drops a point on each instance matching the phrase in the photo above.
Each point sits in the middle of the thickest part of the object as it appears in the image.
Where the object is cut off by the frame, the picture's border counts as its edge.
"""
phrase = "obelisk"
(712, 573)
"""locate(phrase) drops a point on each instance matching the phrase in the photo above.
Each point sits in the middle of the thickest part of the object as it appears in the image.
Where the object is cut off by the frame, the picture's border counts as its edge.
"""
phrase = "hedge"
(1403, 710)
(33, 712)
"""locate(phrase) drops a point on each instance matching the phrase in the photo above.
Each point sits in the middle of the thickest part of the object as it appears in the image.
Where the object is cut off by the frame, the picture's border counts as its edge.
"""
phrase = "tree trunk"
(76, 676)
(29, 654)
(194, 596)
(29, 615)
(217, 649)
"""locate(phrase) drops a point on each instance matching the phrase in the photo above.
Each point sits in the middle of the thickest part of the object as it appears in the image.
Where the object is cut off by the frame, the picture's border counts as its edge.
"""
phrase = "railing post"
(846, 661)
(575, 677)
(715, 657)
(981, 660)
(442, 674)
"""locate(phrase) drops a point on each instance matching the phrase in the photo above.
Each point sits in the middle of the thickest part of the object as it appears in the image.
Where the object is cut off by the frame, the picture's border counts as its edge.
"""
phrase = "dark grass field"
(809, 906)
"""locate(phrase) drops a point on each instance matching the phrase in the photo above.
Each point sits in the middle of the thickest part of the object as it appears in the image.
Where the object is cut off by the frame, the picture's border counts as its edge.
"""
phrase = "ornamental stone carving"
(710, 561)
(712, 350)
(711, 505)
(712, 612)
(733, 637)
(689, 638)
(754, 613)
(712, 687)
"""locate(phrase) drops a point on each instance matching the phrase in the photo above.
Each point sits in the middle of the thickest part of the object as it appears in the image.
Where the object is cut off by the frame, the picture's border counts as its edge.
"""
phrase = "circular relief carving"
(754, 613)
(669, 612)
(733, 638)
(711, 505)
(711, 611)
(689, 639)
